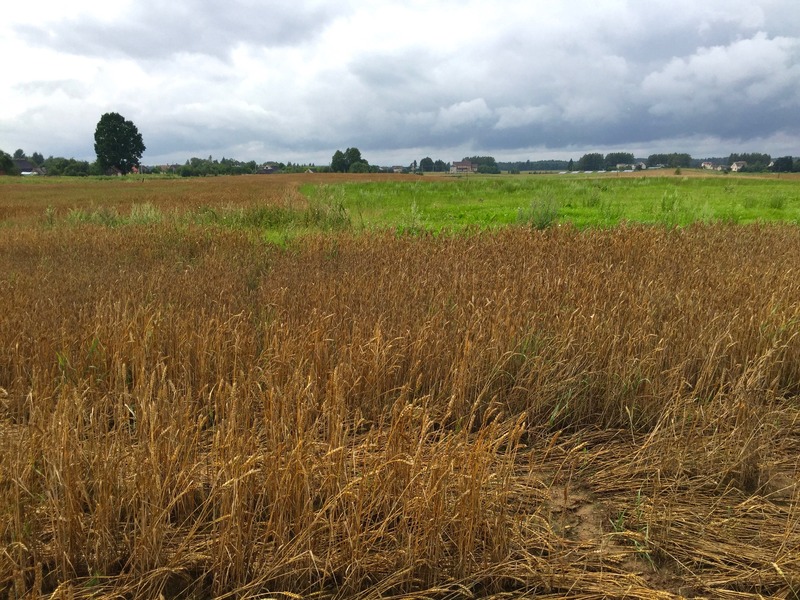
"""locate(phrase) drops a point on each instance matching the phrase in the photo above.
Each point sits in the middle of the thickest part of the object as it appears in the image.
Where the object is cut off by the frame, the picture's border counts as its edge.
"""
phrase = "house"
(738, 166)
(26, 167)
(463, 166)
(708, 166)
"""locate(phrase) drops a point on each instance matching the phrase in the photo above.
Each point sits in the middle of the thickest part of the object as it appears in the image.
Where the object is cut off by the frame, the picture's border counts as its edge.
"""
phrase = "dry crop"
(48, 200)
(559, 413)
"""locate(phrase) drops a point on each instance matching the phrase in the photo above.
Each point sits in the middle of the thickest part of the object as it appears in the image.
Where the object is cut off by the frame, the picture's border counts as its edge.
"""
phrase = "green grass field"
(286, 207)
(606, 200)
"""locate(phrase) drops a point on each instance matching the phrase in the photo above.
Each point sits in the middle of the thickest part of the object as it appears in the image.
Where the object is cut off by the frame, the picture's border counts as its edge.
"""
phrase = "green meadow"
(443, 203)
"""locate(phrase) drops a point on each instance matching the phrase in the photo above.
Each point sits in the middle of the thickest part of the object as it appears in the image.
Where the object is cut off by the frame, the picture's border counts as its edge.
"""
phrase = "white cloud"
(469, 113)
(751, 71)
(515, 116)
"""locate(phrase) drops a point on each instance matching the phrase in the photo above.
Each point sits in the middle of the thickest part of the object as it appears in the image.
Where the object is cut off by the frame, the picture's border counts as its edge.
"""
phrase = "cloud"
(755, 72)
(149, 30)
(510, 117)
(470, 113)
(203, 78)
(69, 88)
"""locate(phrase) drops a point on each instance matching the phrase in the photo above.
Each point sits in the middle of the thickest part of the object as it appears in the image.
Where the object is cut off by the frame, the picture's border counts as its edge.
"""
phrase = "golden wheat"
(564, 413)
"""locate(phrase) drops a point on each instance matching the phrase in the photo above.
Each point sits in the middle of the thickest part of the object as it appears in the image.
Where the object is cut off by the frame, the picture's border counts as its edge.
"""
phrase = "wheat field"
(192, 412)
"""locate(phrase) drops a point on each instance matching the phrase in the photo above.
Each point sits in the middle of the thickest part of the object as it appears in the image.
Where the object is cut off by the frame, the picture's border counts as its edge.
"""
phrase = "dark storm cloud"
(604, 95)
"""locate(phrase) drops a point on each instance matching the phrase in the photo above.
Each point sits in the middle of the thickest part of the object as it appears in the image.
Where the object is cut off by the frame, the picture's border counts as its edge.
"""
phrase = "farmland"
(388, 386)
(295, 205)
(600, 200)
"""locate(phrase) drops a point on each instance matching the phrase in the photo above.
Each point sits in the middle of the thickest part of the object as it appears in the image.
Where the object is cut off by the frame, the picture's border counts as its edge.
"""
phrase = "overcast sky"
(400, 80)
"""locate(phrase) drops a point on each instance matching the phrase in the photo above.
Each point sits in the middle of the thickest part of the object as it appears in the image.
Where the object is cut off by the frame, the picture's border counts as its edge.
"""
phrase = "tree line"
(595, 161)
(119, 147)
(52, 165)
(754, 162)
(534, 165)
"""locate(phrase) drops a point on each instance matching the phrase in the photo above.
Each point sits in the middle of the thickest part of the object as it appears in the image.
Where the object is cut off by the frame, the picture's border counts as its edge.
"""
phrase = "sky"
(295, 81)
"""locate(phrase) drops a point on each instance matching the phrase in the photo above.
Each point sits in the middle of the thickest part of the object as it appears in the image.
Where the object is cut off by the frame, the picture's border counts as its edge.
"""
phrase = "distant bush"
(7, 164)
(777, 202)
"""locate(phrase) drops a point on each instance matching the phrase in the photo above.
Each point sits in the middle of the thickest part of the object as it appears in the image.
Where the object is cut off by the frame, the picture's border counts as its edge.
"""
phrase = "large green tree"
(426, 164)
(486, 164)
(7, 165)
(118, 143)
(339, 162)
(349, 161)
(784, 164)
(673, 160)
(594, 161)
(613, 159)
(353, 156)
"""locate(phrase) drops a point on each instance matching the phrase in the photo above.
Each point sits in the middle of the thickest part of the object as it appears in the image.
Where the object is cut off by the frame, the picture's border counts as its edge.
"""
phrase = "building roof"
(24, 165)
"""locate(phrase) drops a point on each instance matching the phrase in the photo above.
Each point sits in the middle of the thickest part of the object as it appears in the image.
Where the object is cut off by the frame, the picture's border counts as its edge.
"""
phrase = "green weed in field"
(144, 214)
(329, 215)
(541, 213)
(415, 223)
(105, 215)
(611, 212)
(50, 215)
(777, 202)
